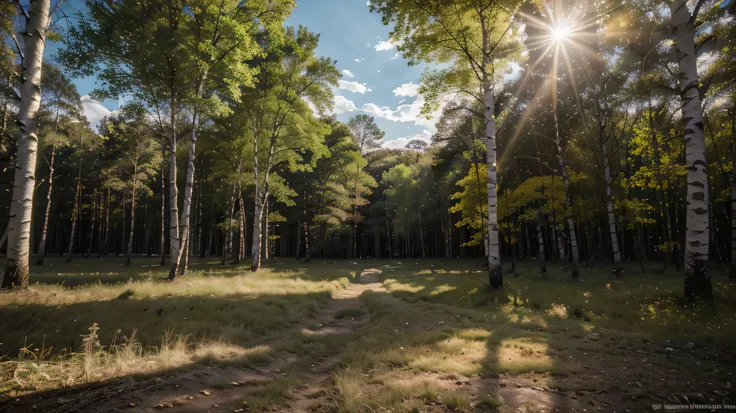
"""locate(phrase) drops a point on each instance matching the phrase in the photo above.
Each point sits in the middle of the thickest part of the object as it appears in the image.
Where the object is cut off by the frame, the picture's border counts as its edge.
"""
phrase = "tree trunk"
(123, 248)
(376, 242)
(173, 191)
(186, 247)
(306, 226)
(47, 214)
(75, 217)
(24, 181)
(92, 227)
(297, 255)
(211, 234)
(162, 250)
(100, 226)
(147, 247)
(566, 212)
(129, 253)
(103, 250)
(257, 232)
(187, 205)
(495, 273)
(388, 240)
(228, 247)
(200, 222)
(697, 278)
(421, 234)
(540, 246)
(266, 243)
(243, 230)
(609, 208)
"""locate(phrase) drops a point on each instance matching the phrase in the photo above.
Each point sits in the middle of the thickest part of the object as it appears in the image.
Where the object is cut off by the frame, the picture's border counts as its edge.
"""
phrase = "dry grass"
(57, 336)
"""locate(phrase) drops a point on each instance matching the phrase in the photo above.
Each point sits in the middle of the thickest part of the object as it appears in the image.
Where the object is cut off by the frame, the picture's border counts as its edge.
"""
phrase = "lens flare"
(559, 33)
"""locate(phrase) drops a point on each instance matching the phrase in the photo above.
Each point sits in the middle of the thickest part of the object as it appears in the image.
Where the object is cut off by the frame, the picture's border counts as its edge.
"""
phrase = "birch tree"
(279, 120)
(138, 48)
(34, 25)
(697, 278)
(220, 37)
(60, 106)
(476, 38)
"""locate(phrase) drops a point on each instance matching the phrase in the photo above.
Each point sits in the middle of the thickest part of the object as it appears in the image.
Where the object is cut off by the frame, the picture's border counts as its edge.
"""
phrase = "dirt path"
(317, 381)
(313, 382)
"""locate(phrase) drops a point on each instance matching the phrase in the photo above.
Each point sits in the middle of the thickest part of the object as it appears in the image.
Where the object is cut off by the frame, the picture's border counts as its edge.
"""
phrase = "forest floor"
(361, 336)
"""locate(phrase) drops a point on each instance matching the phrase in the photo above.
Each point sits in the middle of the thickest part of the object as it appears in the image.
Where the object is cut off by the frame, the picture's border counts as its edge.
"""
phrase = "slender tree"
(32, 34)
(477, 37)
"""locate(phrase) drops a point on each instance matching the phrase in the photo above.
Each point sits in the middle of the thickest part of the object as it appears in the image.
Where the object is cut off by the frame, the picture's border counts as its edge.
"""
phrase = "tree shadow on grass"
(179, 334)
(544, 346)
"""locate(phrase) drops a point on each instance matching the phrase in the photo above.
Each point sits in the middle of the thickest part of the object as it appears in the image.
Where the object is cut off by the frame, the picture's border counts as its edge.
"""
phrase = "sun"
(559, 33)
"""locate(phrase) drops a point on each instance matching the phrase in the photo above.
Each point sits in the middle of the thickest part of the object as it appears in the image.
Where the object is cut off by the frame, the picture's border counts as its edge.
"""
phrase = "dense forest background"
(227, 146)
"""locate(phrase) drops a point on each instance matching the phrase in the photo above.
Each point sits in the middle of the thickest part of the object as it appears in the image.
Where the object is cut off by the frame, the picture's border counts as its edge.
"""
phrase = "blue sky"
(376, 80)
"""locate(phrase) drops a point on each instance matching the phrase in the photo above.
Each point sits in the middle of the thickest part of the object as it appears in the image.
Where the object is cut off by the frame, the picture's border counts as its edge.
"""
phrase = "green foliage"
(472, 201)
(136, 157)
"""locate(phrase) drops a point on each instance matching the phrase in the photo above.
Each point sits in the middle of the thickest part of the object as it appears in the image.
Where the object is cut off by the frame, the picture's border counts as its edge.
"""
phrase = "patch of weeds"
(455, 402)
(429, 395)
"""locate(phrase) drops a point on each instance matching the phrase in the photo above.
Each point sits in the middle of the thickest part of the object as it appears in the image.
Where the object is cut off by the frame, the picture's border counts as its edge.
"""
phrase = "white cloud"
(407, 89)
(400, 143)
(386, 45)
(357, 60)
(395, 56)
(407, 112)
(354, 87)
(368, 3)
(343, 105)
(348, 74)
(93, 111)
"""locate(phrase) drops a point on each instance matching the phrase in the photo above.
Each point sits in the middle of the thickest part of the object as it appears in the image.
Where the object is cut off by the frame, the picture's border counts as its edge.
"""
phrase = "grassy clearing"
(60, 336)
(441, 326)
(435, 340)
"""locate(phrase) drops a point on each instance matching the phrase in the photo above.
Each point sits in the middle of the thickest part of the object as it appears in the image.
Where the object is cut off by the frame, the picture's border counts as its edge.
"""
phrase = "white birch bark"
(129, 252)
(697, 278)
(173, 189)
(186, 206)
(257, 232)
(495, 274)
(609, 209)
(17, 270)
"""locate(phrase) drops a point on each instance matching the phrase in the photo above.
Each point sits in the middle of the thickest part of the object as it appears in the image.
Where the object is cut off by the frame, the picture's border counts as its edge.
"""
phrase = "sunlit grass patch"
(454, 355)
(477, 334)
(442, 289)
